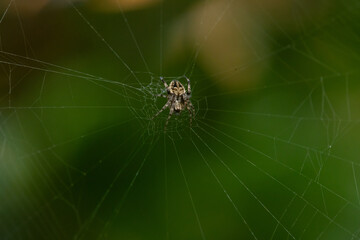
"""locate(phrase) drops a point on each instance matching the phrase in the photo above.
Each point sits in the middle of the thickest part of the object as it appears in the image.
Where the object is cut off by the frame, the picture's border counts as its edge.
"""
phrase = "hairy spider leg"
(162, 95)
(170, 114)
(190, 113)
(189, 86)
(170, 101)
(188, 102)
(190, 109)
(165, 84)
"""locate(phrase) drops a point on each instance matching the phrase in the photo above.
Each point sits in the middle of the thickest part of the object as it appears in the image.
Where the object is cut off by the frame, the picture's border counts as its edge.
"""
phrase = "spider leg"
(170, 114)
(190, 109)
(162, 95)
(165, 84)
(189, 86)
(163, 108)
(188, 103)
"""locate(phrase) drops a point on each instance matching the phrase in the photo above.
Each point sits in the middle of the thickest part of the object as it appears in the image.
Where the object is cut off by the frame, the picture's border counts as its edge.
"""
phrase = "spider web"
(83, 158)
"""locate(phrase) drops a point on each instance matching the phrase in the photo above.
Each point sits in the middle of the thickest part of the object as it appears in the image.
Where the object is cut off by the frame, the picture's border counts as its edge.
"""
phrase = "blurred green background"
(273, 151)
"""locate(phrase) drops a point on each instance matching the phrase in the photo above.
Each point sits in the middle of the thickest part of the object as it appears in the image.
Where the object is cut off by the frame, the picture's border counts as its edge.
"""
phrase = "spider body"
(177, 90)
(178, 99)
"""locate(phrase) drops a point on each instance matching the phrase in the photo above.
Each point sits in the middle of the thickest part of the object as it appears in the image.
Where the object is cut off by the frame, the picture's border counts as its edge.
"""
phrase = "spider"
(178, 99)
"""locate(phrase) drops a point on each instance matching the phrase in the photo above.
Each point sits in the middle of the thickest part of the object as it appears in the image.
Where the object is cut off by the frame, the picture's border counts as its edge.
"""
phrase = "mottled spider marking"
(178, 99)
(176, 88)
